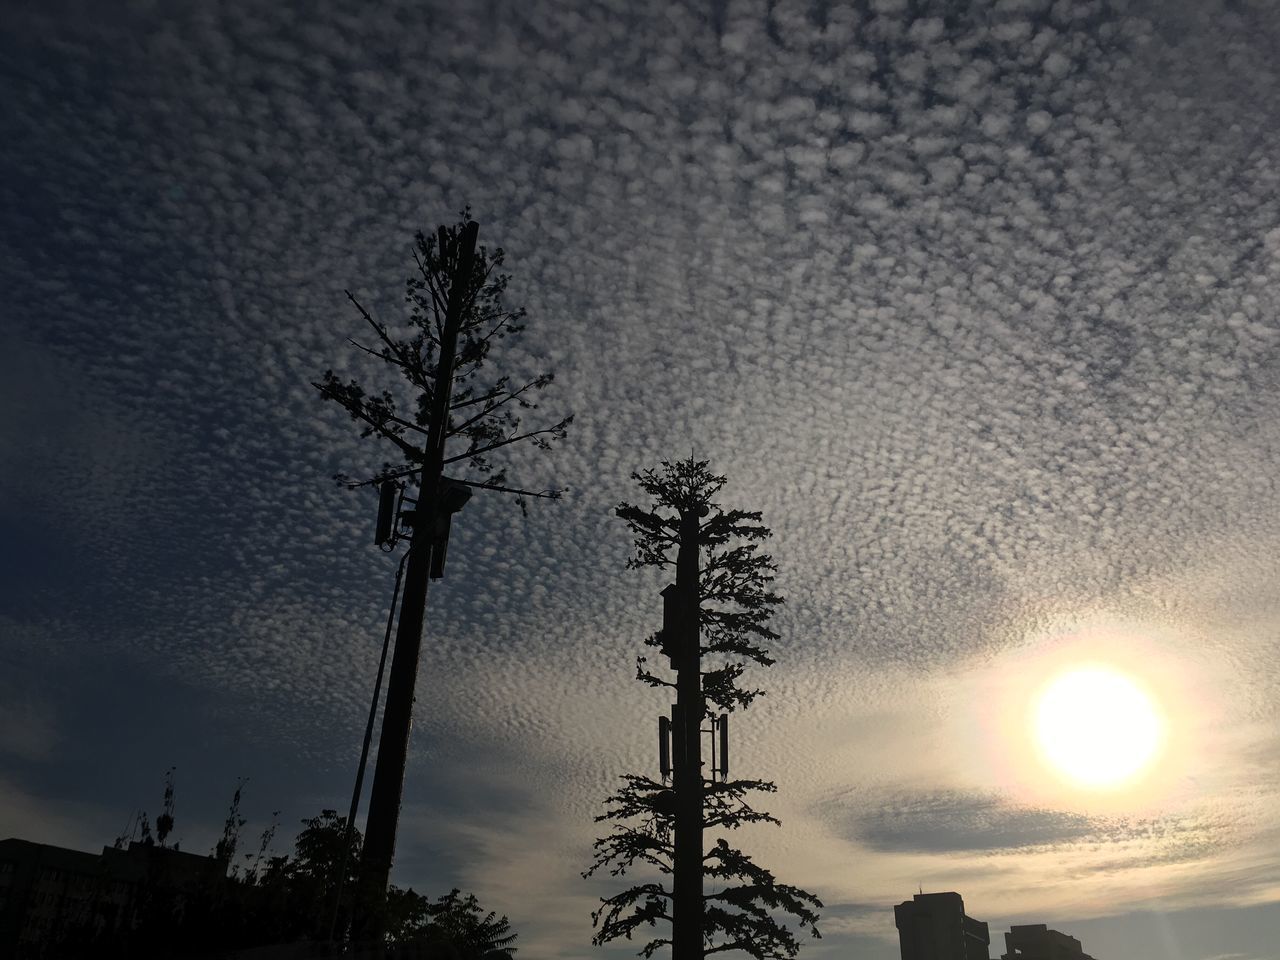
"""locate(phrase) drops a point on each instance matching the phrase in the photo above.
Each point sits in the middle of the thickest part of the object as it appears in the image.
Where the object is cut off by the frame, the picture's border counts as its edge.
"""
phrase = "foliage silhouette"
(485, 413)
(140, 824)
(165, 822)
(453, 924)
(279, 899)
(225, 849)
(736, 604)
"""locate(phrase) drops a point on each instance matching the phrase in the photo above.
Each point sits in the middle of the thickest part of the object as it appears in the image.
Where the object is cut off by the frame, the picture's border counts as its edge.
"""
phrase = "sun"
(1096, 727)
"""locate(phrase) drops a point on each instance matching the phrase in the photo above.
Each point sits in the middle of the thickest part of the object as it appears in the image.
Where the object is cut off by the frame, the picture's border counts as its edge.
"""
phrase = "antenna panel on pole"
(664, 746)
(386, 511)
(670, 622)
(677, 735)
(453, 497)
(724, 745)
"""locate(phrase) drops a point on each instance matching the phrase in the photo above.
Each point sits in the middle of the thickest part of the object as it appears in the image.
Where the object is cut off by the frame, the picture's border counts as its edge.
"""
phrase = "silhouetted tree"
(260, 860)
(310, 876)
(452, 926)
(165, 822)
(140, 825)
(736, 603)
(225, 849)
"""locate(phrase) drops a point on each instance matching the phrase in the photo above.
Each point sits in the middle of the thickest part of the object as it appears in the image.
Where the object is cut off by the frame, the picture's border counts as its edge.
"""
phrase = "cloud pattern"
(976, 302)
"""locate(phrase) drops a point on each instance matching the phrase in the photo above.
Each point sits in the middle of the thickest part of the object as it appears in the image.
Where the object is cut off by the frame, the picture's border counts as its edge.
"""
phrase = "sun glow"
(1096, 727)
(1110, 718)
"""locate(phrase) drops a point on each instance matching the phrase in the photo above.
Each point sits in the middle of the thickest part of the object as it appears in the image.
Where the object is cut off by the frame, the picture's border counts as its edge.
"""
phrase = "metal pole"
(686, 938)
(393, 744)
(345, 855)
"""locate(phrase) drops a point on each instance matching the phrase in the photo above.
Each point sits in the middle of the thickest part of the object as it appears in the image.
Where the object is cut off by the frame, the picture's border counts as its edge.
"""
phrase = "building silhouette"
(933, 926)
(51, 895)
(1035, 941)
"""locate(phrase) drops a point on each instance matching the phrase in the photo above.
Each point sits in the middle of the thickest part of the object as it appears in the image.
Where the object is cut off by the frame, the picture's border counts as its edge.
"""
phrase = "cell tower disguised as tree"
(442, 350)
(718, 608)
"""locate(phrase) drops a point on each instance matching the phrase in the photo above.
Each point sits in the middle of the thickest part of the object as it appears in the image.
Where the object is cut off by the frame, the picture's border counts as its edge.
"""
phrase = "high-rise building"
(1035, 941)
(933, 926)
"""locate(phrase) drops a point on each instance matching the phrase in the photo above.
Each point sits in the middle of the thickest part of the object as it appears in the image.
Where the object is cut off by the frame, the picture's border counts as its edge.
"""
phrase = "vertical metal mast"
(393, 743)
(686, 937)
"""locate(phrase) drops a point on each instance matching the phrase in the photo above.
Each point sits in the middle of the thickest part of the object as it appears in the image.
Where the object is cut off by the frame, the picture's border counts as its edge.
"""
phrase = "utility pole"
(686, 935)
(393, 744)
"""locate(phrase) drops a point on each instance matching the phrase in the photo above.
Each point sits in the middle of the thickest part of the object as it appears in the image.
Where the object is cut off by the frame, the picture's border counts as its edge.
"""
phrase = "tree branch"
(411, 366)
(544, 495)
(508, 441)
(537, 382)
(358, 413)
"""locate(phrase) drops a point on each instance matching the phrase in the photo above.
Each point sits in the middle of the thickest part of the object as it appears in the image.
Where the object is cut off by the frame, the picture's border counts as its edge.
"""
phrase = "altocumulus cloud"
(978, 305)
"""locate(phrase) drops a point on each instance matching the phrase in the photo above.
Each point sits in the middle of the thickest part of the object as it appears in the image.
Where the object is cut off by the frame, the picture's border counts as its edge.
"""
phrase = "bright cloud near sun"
(1104, 717)
(1107, 749)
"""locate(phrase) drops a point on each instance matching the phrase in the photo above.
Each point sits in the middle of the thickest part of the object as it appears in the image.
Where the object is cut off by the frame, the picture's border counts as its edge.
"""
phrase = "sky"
(979, 305)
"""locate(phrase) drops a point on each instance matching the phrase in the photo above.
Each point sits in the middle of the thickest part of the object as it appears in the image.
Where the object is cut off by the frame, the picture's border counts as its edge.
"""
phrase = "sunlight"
(1107, 717)
(1096, 726)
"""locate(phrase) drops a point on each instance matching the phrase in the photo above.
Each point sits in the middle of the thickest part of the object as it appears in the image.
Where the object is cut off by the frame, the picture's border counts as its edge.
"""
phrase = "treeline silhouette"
(183, 905)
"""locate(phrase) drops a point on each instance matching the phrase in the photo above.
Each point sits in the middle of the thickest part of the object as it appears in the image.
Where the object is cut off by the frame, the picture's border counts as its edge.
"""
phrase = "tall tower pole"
(397, 718)
(686, 936)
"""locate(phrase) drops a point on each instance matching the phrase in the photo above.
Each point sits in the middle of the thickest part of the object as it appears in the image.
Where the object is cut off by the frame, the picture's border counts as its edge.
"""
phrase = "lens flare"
(1097, 727)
